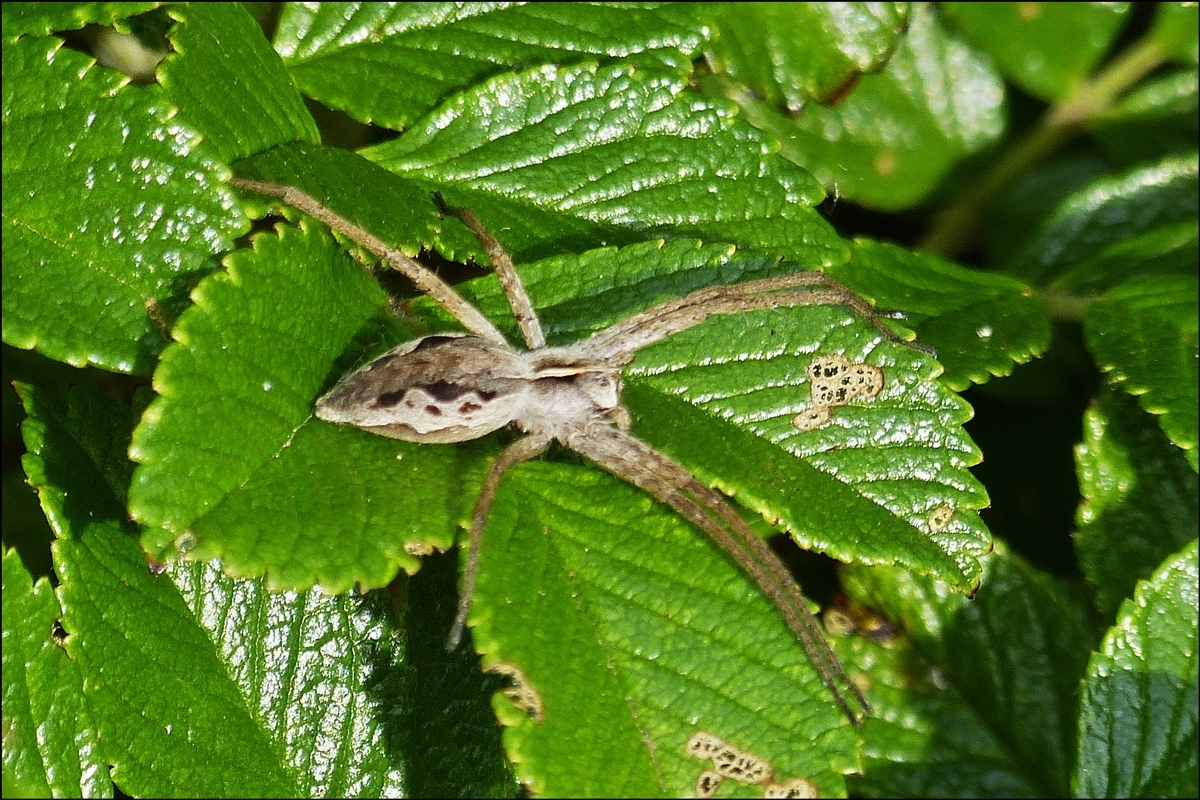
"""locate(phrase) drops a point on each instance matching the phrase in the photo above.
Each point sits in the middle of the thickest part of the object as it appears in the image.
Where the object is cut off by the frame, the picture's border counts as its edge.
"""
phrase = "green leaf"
(1139, 498)
(334, 52)
(399, 210)
(791, 53)
(269, 511)
(1137, 727)
(559, 156)
(747, 372)
(1018, 210)
(239, 714)
(100, 285)
(44, 18)
(1144, 335)
(50, 745)
(1072, 249)
(246, 691)
(698, 165)
(981, 324)
(104, 590)
(877, 519)
(890, 142)
(323, 679)
(1007, 665)
(218, 44)
(1026, 40)
(636, 633)
(1169, 248)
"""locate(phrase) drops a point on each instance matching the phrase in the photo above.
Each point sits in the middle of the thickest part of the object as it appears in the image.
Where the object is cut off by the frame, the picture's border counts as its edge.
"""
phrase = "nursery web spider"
(456, 387)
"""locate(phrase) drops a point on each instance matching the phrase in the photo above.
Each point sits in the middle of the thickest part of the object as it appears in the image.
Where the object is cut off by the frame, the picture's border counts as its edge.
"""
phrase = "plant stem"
(957, 227)
(1064, 306)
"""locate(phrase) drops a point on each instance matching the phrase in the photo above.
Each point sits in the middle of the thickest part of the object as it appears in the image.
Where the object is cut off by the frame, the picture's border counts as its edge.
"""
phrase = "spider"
(454, 387)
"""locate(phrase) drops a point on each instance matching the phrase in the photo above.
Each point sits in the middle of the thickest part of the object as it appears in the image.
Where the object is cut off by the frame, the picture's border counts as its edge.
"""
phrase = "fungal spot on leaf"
(859, 621)
(742, 767)
(522, 693)
(184, 542)
(939, 519)
(839, 623)
(704, 745)
(158, 317)
(812, 418)
(728, 761)
(708, 783)
(795, 788)
(834, 381)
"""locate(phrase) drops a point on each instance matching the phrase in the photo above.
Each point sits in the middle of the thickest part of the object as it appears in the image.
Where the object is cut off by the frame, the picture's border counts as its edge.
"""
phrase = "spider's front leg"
(619, 342)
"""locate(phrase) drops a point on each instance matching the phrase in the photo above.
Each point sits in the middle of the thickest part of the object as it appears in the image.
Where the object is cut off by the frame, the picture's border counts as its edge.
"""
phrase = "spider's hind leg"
(421, 277)
(521, 450)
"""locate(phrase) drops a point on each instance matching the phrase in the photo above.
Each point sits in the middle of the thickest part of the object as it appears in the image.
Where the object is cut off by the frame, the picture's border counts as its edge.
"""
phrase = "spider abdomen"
(442, 388)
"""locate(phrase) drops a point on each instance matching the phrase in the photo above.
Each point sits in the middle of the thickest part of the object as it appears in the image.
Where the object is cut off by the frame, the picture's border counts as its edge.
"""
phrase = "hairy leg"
(635, 462)
(514, 290)
(424, 279)
(620, 341)
(521, 450)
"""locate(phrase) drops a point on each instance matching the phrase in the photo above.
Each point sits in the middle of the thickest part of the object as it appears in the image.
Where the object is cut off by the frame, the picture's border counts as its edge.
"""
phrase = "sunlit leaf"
(217, 43)
(1109, 214)
(102, 284)
(891, 140)
(699, 166)
(50, 740)
(1138, 726)
(295, 693)
(334, 51)
(791, 53)
(980, 324)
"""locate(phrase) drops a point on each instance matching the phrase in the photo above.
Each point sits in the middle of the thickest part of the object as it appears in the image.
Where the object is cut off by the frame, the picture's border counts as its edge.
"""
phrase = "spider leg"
(514, 290)
(521, 450)
(620, 341)
(633, 461)
(424, 279)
